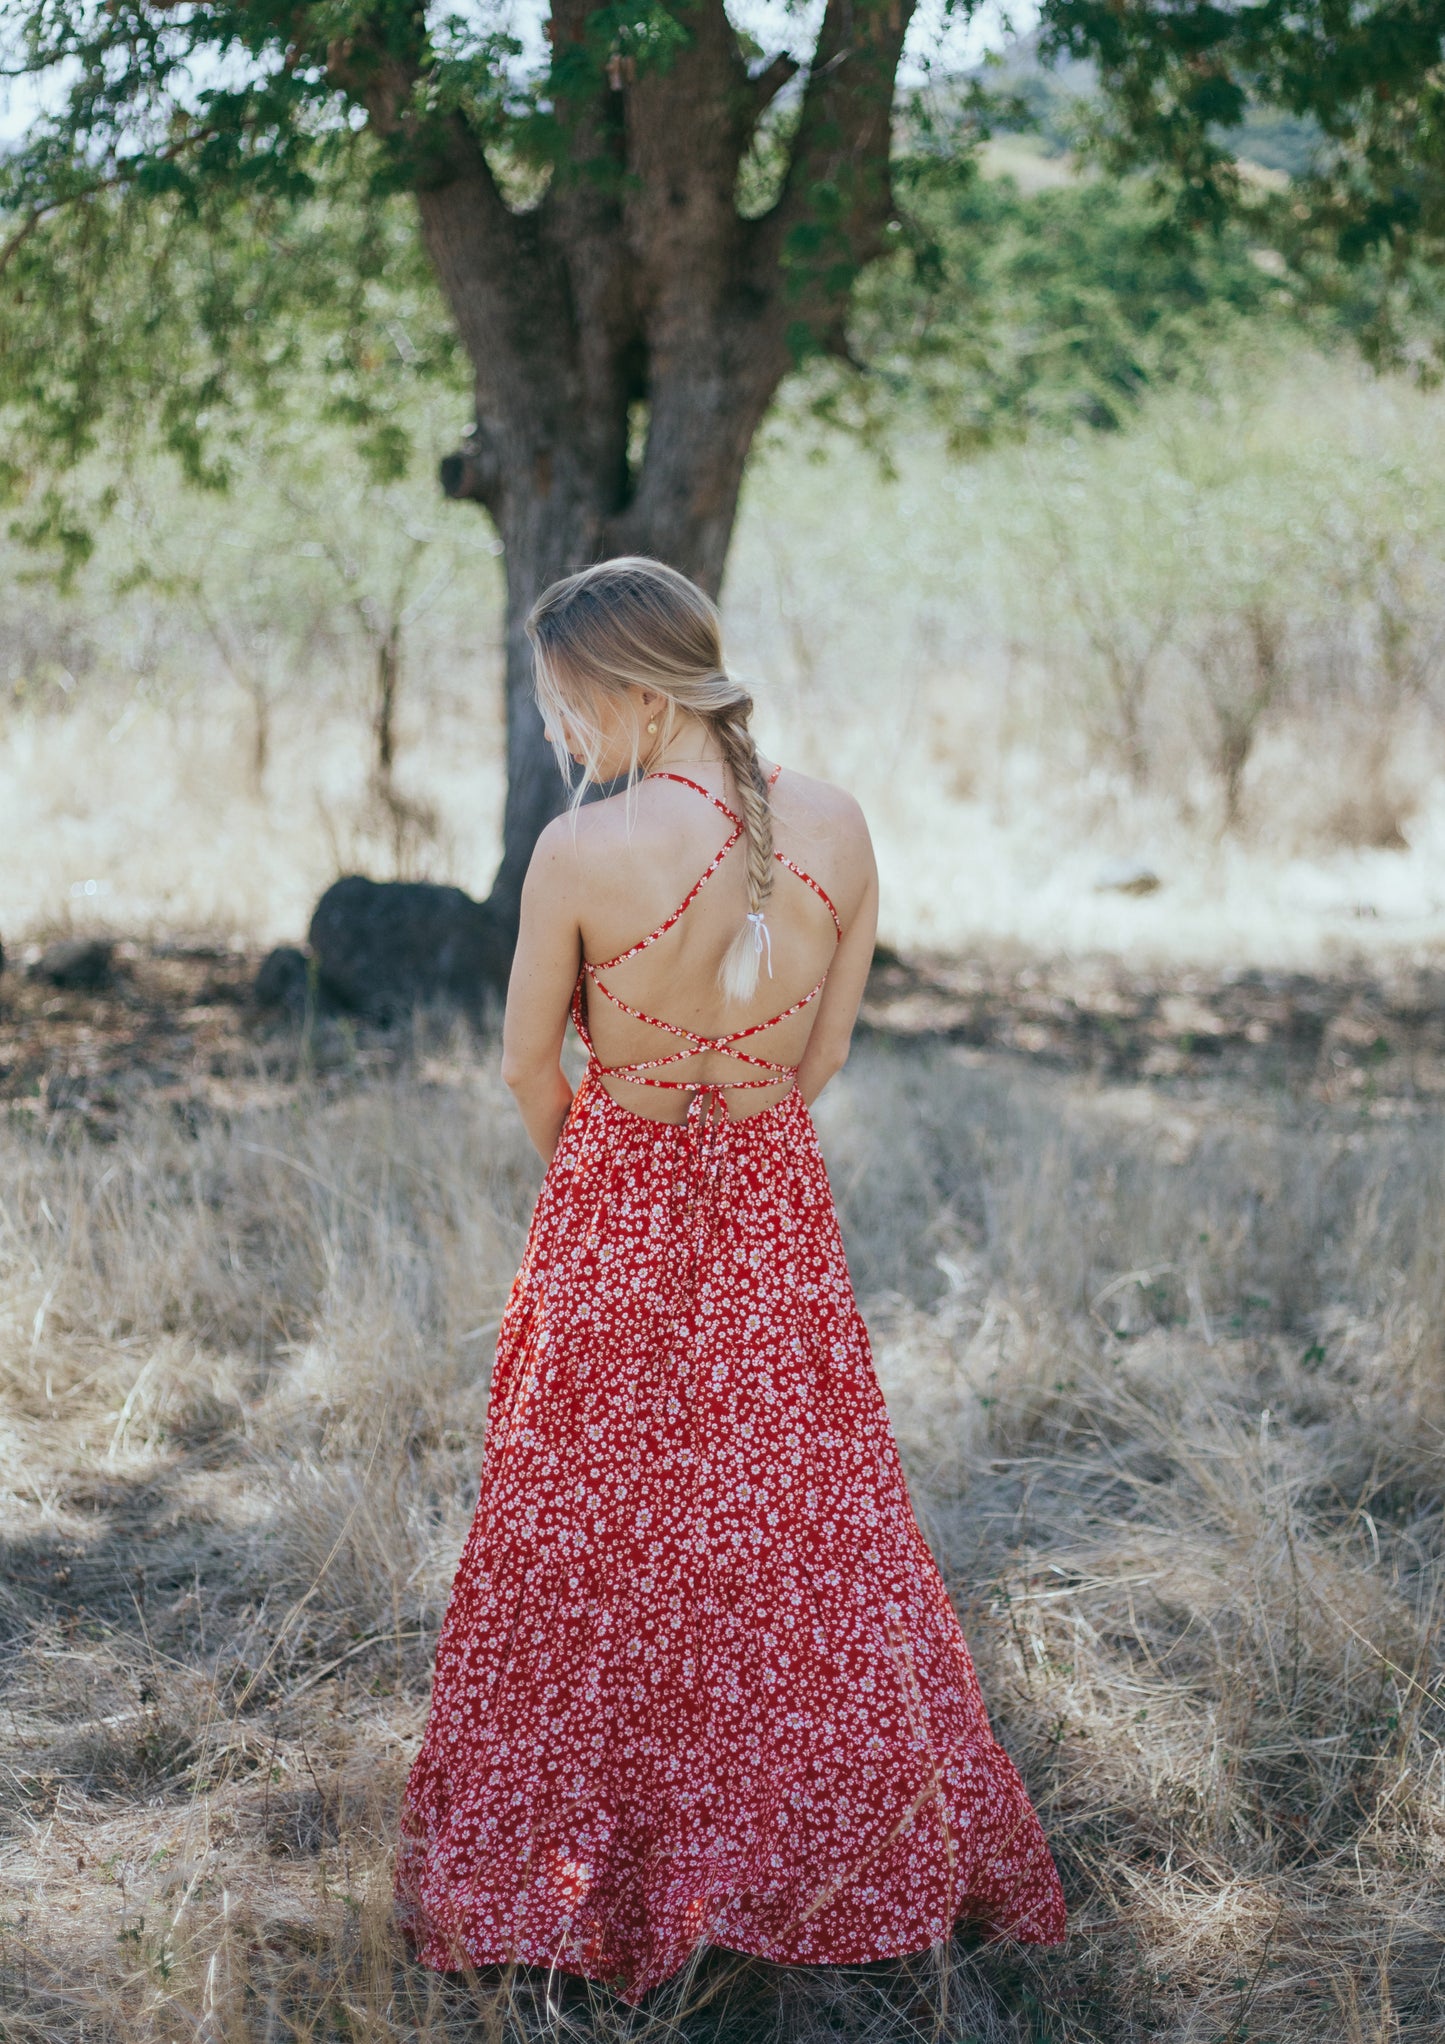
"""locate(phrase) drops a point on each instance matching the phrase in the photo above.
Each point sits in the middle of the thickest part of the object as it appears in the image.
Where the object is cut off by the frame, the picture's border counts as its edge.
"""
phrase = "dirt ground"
(177, 1022)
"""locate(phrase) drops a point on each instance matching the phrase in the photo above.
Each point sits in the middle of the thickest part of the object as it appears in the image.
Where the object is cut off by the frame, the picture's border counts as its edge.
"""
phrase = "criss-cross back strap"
(808, 881)
(664, 774)
(694, 1045)
(592, 968)
(737, 824)
(667, 774)
(721, 1043)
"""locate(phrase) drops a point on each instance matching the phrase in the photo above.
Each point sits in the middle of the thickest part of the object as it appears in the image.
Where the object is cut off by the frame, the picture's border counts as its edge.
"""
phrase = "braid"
(738, 974)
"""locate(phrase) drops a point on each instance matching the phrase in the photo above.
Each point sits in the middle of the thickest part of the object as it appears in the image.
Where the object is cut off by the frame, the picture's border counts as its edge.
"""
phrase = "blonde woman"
(699, 1681)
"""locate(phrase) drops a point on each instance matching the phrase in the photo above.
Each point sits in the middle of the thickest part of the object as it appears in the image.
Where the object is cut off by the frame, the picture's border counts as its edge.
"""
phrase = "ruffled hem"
(940, 1841)
(634, 1991)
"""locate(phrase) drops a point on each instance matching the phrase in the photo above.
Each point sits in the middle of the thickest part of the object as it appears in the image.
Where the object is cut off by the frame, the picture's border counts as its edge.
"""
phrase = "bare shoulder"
(559, 856)
(592, 847)
(576, 837)
(824, 827)
(822, 809)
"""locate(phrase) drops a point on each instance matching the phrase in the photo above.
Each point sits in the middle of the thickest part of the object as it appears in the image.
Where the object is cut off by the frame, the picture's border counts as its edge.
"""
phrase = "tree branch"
(837, 195)
(369, 68)
(769, 82)
(493, 267)
(581, 216)
(23, 233)
(690, 121)
(90, 190)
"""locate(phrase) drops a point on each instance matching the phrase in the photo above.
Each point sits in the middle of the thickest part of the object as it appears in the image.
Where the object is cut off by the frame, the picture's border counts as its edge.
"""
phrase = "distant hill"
(1051, 93)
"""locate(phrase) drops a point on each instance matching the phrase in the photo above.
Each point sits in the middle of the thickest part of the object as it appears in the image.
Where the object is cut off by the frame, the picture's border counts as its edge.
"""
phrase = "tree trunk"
(633, 280)
(538, 548)
(388, 677)
(549, 461)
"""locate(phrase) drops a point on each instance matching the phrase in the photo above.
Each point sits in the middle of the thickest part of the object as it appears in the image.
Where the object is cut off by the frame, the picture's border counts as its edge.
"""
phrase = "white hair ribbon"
(762, 936)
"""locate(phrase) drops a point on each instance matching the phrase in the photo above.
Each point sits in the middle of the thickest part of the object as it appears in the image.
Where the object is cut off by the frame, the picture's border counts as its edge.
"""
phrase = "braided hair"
(738, 973)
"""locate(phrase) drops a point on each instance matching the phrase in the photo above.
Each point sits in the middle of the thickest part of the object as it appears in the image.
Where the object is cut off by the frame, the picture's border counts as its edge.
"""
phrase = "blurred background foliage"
(136, 329)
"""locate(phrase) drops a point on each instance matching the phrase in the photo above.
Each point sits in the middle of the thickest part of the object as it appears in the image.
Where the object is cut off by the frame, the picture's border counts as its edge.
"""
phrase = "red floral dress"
(699, 1680)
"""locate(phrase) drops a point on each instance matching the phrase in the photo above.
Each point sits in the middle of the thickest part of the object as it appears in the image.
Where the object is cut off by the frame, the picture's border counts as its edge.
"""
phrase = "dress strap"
(579, 1016)
(718, 1043)
(593, 967)
(642, 1070)
(666, 774)
(817, 887)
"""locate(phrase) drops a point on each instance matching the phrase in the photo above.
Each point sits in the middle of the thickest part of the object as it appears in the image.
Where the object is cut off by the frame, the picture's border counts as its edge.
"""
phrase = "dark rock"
(82, 963)
(384, 946)
(282, 979)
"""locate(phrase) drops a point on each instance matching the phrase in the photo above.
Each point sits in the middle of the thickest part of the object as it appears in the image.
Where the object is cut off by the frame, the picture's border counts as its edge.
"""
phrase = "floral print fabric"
(699, 1679)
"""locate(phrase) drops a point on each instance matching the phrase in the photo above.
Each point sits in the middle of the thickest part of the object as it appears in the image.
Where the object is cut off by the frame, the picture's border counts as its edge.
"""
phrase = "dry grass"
(1169, 1388)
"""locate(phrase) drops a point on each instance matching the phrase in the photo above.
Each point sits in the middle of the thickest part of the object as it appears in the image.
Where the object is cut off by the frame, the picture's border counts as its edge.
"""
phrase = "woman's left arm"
(827, 1048)
(539, 992)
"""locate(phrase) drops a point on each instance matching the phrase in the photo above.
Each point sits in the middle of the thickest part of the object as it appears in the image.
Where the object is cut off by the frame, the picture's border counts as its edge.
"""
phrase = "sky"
(951, 45)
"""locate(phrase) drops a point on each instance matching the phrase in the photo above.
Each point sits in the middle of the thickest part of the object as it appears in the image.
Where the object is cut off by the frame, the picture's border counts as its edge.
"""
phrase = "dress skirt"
(699, 1680)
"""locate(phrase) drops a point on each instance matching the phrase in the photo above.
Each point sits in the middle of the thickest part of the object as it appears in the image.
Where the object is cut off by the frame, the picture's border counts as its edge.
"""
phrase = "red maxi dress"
(699, 1680)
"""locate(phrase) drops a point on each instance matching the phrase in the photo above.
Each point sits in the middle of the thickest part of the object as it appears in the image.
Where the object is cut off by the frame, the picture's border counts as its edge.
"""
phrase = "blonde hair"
(634, 622)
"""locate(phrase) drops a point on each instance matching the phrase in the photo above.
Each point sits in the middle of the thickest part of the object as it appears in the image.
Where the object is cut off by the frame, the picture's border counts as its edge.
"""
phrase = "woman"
(699, 1680)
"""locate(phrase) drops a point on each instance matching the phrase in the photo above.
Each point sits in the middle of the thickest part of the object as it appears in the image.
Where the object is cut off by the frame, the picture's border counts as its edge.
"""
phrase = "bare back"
(650, 972)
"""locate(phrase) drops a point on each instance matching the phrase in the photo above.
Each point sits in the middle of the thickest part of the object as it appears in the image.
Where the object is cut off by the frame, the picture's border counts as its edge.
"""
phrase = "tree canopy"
(208, 193)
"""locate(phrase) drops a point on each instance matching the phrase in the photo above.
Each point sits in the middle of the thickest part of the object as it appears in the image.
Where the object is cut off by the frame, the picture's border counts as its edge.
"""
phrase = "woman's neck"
(685, 748)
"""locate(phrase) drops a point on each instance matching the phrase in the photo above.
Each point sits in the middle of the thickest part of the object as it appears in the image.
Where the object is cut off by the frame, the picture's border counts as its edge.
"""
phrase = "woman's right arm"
(827, 1050)
(539, 992)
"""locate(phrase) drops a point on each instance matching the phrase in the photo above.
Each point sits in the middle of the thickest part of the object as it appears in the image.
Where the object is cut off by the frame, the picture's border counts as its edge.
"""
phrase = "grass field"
(1167, 1376)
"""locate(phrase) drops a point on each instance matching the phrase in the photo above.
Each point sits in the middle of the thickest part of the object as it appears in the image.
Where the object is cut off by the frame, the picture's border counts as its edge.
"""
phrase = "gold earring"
(652, 728)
